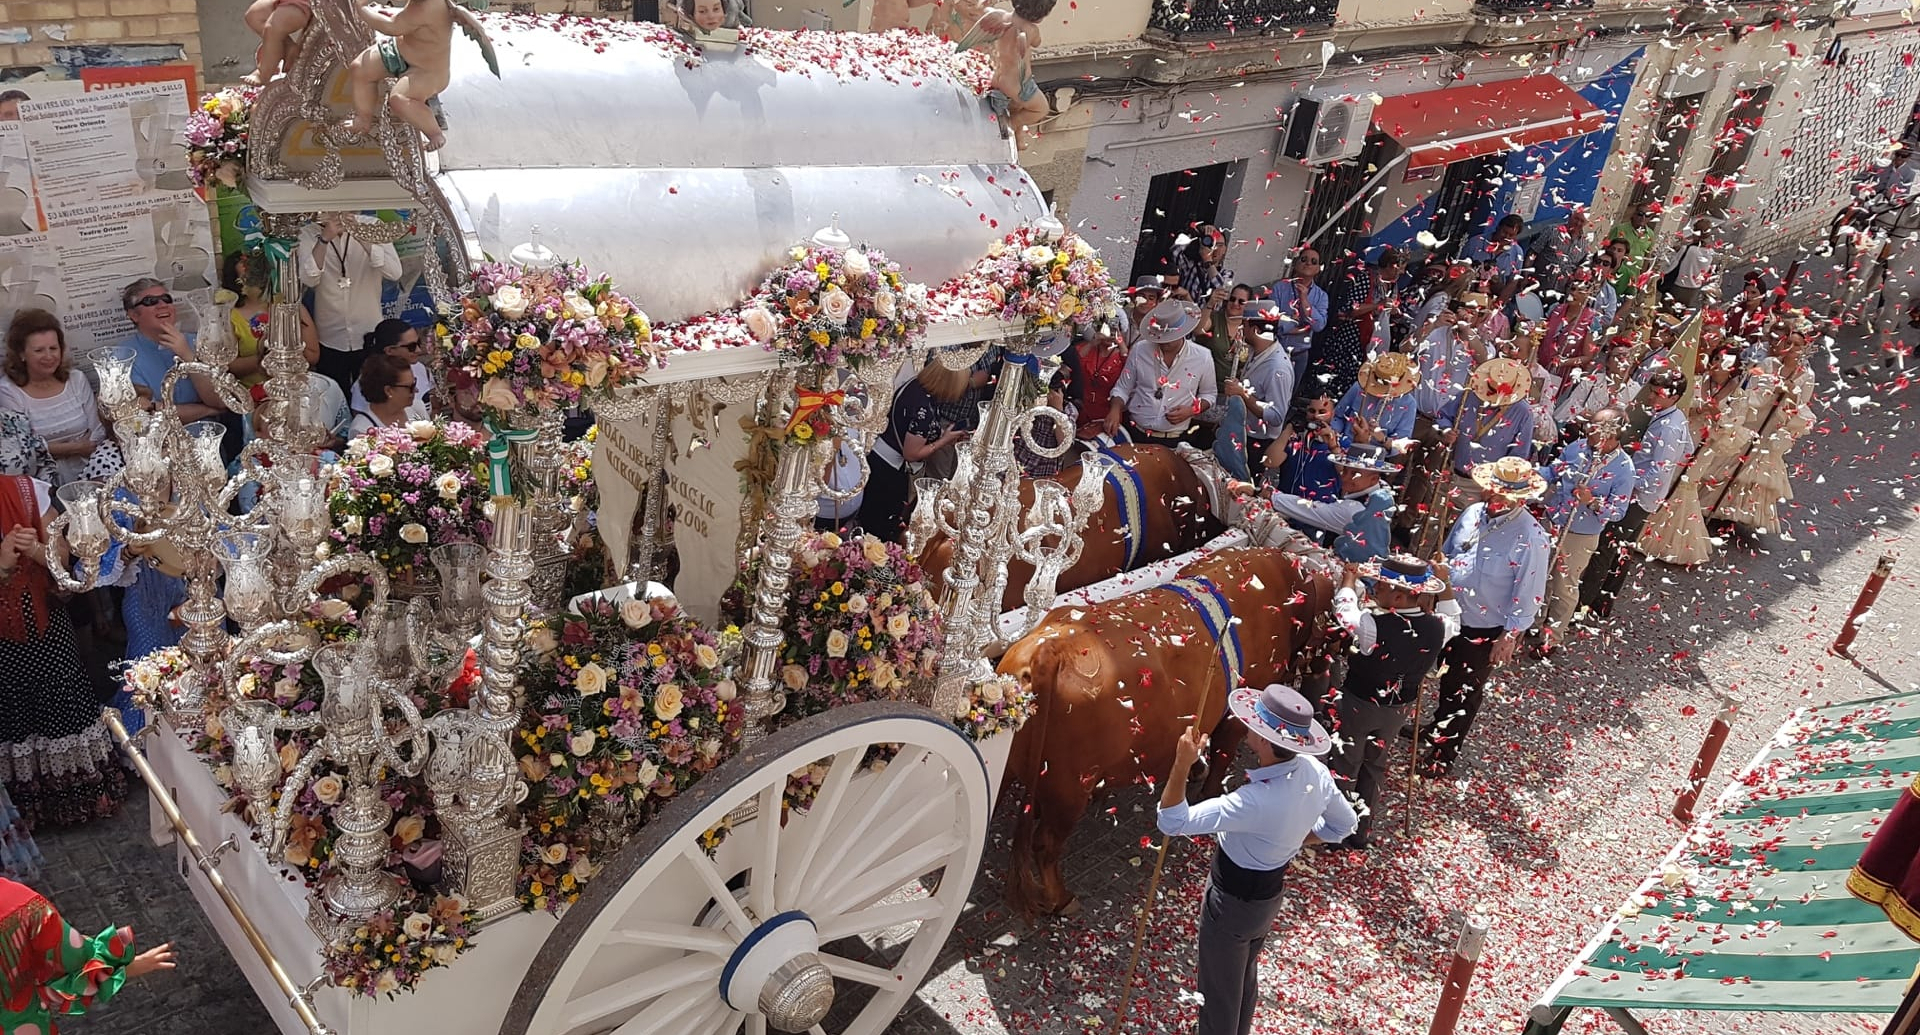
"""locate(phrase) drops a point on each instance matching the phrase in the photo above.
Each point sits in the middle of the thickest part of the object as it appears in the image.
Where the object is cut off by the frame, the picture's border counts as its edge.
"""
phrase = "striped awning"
(1750, 911)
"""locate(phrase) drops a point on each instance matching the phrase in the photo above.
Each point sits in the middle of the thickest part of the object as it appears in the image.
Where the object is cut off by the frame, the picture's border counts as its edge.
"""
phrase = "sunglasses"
(152, 300)
(409, 387)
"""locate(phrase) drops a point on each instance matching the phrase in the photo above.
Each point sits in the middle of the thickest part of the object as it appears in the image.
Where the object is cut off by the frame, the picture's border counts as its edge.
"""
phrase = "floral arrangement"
(1045, 284)
(626, 707)
(151, 675)
(829, 307)
(400, 491)
(995, 705)
(861, 624)
(395, 947)
(546, 339)
(217, 136)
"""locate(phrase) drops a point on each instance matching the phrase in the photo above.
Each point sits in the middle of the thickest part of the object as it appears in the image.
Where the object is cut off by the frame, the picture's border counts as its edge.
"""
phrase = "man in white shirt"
(347, 276)
(1693, 267)
(1168, 380)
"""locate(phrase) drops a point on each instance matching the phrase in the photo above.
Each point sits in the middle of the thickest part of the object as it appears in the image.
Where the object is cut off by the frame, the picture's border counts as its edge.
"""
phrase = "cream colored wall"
(1401, 12)
(1094, 22)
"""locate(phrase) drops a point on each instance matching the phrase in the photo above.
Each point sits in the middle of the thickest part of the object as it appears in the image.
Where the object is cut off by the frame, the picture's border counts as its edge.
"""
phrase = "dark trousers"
(1233, 930)
(1463, 688)
(1607, 573)
(883, 508)
(343, 367)
(1142, 436)
(1359, 759)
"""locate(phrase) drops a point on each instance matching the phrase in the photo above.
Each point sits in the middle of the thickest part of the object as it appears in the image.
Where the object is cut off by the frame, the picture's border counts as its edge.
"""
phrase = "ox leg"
(1221, 749)
(1057, 808)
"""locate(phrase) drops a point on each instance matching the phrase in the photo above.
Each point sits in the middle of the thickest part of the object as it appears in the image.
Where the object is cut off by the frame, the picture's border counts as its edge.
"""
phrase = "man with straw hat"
(1360, 522)
(1593, 483)
(1289, 800)
(1167, 382)
(1662, 451)
(1498, 557)
(1379, 408)
(1492, 419)
(1394, 648)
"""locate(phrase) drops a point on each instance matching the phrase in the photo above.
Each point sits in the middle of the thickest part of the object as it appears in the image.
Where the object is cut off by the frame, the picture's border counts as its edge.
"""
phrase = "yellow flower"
(803, 432)
(867, 326)
(837, 588)
(820, 338)
(526, 341)
(823, 271)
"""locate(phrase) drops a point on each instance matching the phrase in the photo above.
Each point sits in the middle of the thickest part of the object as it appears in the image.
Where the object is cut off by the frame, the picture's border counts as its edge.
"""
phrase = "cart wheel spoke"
(760, 893)
(668, 1013)
(624, 995)
(889, 874)
(904, 822)
(696, 857)
(896, 777)
(865, 973)
(673, 936)
(880, 918)
(826, 805)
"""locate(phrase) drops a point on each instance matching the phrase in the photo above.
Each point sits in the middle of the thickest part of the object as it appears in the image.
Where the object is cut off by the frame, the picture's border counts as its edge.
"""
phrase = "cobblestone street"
(1558, 809)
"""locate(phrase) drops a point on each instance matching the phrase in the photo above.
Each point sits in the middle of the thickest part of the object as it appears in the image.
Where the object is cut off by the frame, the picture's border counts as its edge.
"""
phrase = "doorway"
(1177, 203)
(1672, 129)
(1333, 186)
(1460, 203)
(1732, 146)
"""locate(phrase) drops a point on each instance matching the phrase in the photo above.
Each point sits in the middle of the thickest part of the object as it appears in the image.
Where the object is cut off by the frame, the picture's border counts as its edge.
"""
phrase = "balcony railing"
(1208, 19)
(1533, 6)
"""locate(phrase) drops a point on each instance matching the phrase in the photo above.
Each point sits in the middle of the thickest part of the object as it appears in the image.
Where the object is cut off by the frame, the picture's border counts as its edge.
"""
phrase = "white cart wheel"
(825, 924)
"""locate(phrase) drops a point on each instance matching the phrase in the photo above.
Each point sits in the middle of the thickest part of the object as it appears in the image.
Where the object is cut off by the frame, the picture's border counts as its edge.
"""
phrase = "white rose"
(417, 925)
(710, 747)
(581, 743)
(358, 447)
(649, 772)
(875, 550)
(1081, 249)
(857, 604)
(832, 539)
(445, 954)
(726, 690)
(449, 485)
(246, 685)
(759, 323)
(351, 524)
(582, 867)
(1037, 255)
(422, 430)
(996, 249)
(706, 656)
(590, 680)
(883, 305)
(855, 263)
(635, 613)
(917, 295)
(542, 640)
(380, 465)
(554, 854)
(836, 644)
(993, 692)
(556, 760)
(333, 610)
(577, 307)
(898, 625)
(793, 677)
(386, 982)
(328, 789)
(835, 305)
(223, 775)
(884, 675)
(510, 301)
(413, 532)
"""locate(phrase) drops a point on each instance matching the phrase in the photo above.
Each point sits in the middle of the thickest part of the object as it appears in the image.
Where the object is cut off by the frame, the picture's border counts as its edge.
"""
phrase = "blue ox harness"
(1131, 491)
(1217, 615)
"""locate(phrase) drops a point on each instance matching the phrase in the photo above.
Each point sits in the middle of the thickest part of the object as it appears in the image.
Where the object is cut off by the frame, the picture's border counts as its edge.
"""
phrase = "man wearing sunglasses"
(158, 343)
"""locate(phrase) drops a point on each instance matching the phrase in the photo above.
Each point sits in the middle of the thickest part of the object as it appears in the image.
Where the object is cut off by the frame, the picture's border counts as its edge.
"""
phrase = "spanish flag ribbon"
(807, 401)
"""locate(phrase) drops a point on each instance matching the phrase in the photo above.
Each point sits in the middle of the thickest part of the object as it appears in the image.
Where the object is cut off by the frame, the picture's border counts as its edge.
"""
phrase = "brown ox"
(1174, 503)
(1116, 684)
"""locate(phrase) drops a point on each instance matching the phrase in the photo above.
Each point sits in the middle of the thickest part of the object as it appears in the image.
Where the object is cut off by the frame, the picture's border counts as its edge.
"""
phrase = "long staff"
(1153, 882)
(1419, 709)
(1766, 426)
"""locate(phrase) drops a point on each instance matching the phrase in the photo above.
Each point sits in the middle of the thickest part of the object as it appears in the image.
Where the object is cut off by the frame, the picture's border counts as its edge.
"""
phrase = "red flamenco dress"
(50, 970)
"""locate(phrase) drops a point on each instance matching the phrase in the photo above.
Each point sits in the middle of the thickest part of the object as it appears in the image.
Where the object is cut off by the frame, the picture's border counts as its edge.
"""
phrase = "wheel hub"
(776, 971)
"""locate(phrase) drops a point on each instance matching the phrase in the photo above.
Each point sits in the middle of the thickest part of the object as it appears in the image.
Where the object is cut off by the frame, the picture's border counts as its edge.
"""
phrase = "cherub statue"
(417, 50)
(710, 23)
(893, 14)
(1015, 95)
(279, 24)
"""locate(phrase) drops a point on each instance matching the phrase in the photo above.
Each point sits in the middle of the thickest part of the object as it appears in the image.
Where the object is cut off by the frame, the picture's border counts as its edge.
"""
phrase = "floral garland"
(995, 705)
(1045, 283)
(829, 307)
(860, 623)
(545, 340)
(395, 947)
(627, 707)
(217, 136)
(398, 492)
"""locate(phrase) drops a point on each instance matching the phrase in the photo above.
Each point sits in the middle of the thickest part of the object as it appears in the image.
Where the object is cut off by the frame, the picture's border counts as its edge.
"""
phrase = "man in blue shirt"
(1498, 556)
(1593, 483)
(1499, 255)
(1380, 407)
(158, 343)
(1360, 522)
(1663, 450)
(1302, 306)
(1289, 800)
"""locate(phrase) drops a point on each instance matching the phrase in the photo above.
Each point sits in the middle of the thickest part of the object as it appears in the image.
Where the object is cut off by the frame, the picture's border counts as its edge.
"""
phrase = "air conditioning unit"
(1323, 129)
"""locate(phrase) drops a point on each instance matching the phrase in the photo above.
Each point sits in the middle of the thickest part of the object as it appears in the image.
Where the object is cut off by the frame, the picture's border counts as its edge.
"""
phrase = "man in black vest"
(1394, 648)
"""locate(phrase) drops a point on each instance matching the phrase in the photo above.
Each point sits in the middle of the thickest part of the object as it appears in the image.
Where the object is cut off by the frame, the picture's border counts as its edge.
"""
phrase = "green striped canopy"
(1750, 911)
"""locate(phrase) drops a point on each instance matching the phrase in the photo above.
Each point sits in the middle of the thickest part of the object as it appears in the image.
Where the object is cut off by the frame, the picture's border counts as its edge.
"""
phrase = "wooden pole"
(1466, 956)
(1906, 1020)
(1704, 759)
(1843, 643)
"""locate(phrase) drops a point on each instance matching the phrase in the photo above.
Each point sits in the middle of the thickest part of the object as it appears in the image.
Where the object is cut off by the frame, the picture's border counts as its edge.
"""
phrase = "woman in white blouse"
(389, 386)
(41, 384)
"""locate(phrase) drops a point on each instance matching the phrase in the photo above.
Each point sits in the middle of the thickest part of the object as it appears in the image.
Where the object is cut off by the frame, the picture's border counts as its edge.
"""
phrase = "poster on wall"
(95, 194)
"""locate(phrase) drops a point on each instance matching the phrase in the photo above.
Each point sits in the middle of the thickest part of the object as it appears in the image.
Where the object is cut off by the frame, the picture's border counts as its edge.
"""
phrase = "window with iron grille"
(1859, 101)
(1212, 18)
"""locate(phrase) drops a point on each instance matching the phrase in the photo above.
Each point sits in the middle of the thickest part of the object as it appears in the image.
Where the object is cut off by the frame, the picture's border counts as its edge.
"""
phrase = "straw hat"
(1511, 476)
(1500, 381)
(1403, 571)
(1281, 717)
(1389, 375)
(1365, 456)
(1170, 321)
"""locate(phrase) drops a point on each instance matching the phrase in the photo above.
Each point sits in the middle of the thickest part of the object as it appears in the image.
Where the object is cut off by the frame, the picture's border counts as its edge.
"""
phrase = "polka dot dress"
(58, 761)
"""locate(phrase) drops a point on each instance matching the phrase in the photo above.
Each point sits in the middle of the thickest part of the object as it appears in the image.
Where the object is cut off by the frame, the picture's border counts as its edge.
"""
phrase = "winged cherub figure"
(416, 50)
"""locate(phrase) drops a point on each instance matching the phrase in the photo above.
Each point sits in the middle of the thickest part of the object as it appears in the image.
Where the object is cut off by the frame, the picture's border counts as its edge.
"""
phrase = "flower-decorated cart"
(419, 784)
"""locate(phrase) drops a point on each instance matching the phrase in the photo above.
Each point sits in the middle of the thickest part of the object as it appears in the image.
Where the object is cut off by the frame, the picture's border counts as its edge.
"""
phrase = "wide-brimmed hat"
(1170, 321)
(1500, 381)
(1150, 283)
(1261, 310)
(1511, 476)
(1281, 717)
(1477, 300)
(1365, 456)
(1403, 571)
(1389, 375)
